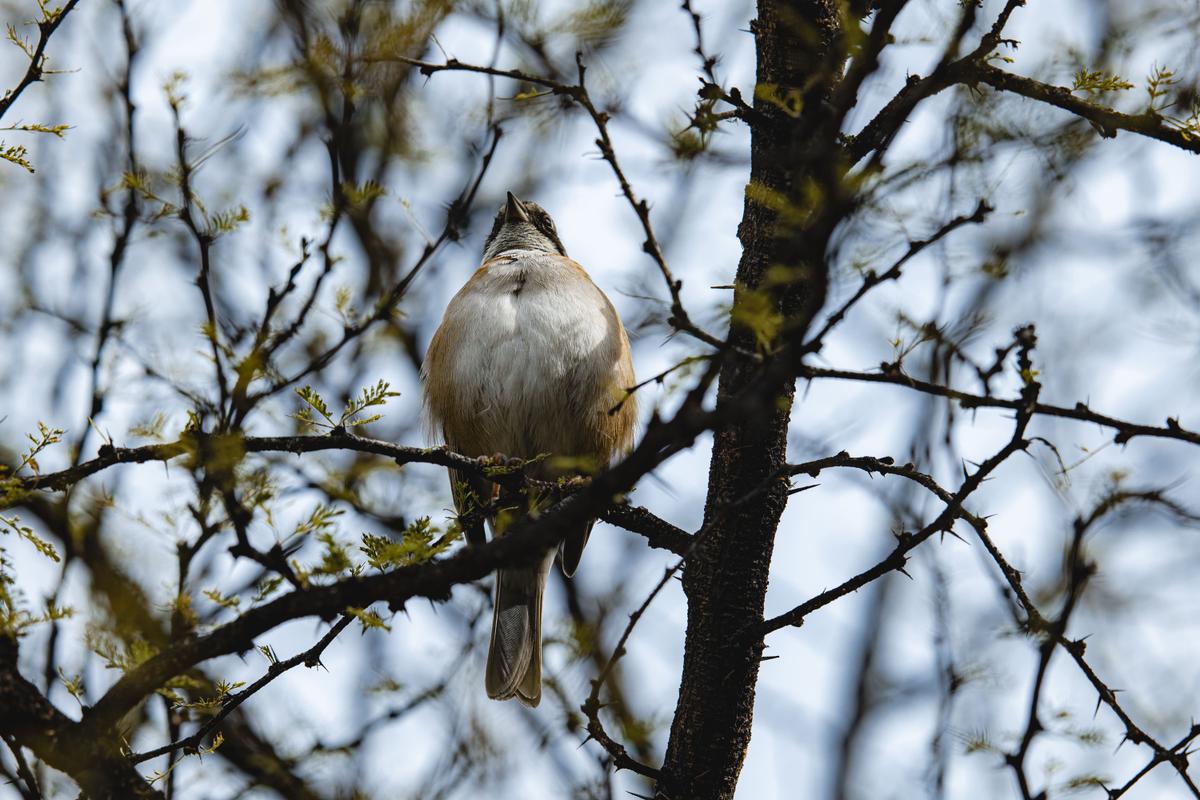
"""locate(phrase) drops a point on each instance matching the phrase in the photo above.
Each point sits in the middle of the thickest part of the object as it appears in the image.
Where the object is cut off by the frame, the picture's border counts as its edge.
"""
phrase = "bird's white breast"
(537, 350)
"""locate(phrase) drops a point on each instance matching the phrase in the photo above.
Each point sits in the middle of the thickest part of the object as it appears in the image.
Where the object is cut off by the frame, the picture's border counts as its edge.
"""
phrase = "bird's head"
(522, 225)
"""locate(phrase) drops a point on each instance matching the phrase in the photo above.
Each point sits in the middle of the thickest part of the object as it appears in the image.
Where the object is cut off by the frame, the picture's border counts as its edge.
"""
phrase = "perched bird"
(530, 358)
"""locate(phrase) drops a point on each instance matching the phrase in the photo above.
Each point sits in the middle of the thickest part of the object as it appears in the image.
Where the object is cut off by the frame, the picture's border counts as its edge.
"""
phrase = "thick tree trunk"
(784, 231)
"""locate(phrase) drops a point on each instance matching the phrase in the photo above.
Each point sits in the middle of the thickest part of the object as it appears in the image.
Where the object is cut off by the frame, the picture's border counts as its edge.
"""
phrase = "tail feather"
(570, 550)
(514, 665)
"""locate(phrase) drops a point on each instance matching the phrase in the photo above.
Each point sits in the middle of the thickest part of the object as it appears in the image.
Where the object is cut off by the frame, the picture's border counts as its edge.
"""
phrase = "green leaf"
(14, 524)
(321, 519)
(73, 685)
(227, 221)
(335, 559)
(757, 311)
(371, 396)
(1158, 86)
(230, 602)
(368, 619)
(315, 403)
(266, 587)
(37, 127)
(1098, 82)
(420, 542)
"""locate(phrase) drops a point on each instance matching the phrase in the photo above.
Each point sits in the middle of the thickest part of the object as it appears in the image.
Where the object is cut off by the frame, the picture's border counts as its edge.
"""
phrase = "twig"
(891, 374)
(578, 93)
(1107, 121)
(708, 63)
(203, 240)
(658, 378)
(456, 212)
(591, 706)
(658, 532)
(309, 658)
(908, 541)
(1078, 571)
(873, 279)
(122, 234)
(37, 61)
(1173, 755)
(30, 789)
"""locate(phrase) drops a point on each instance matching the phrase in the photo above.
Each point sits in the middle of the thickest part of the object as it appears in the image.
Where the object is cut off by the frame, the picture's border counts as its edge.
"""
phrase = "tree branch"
(1106, 120)
(906, 542)
(873, 279)
(32, 721)
(309, 658)
(658, 532)
(37, 62)
(528, 539)
(578, 93)
(892, 374)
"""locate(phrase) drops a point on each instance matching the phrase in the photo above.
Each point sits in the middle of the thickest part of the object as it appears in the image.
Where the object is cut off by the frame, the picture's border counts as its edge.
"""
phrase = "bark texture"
(96, 765)
(784, 231)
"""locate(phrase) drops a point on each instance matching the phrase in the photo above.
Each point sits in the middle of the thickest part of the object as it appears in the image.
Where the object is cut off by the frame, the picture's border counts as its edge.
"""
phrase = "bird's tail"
(514, 664)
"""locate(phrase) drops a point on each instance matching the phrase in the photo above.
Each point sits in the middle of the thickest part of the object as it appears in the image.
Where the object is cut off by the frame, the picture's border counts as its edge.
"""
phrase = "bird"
(530, 358)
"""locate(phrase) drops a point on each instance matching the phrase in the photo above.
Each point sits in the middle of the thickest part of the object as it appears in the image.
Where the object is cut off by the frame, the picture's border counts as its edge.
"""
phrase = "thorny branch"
(204, 240)
(1107, 121)
(579, 94)
(1051, 632)
(906, 542)
(309, 658)
(37, 61)
(873, 279)
(123, 231)
(591, 706)
(657, 531)
(975, 68)
(892, 374)
(386, 305)
(110, 456)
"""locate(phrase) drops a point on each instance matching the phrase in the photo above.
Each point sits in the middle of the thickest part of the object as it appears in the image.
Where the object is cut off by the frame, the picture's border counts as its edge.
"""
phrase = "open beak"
(515, 210)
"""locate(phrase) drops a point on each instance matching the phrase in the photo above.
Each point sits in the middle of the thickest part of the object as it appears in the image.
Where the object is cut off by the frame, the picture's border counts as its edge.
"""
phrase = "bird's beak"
(515, 210)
